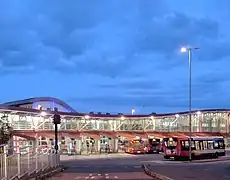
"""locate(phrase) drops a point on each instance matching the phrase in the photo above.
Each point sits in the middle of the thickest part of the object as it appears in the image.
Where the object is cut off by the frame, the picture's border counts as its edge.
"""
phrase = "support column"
(11, 146)
(35, 143)
(227, 122)
(98, 145)
(78, 145)
(200, 122)
(68, 143)
(115, 145)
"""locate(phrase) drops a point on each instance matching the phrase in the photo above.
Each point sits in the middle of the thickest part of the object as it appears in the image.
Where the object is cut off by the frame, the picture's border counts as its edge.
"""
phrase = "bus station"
(32, 123)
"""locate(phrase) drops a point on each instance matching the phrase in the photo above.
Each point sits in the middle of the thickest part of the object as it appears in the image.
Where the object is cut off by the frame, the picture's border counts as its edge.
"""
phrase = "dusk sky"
(115, 55)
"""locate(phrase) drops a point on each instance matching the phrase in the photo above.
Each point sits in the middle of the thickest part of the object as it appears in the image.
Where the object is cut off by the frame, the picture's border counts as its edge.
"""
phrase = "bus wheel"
(166, 157)
(193, 157)
(216, 155)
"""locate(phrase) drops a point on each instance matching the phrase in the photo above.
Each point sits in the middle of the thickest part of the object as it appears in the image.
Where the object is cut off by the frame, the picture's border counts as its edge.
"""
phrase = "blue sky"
(112, 56)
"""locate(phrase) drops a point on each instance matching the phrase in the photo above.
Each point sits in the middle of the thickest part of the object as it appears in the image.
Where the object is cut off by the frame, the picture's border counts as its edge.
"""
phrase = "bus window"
(205, 145)
(215, 145)
(182, 144)
(201, 145)
(185, 145)
(170, 143)
(193, 145)
(210, 144)
(221, 145)
(197, 145)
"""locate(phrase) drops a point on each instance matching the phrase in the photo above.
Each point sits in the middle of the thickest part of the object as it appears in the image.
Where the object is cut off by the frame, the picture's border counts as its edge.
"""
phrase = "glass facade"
(96, 129)
(201, 122)
(211, 121)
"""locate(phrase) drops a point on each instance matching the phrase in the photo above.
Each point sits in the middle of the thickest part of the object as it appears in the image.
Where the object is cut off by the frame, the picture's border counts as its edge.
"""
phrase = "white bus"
(202, 147)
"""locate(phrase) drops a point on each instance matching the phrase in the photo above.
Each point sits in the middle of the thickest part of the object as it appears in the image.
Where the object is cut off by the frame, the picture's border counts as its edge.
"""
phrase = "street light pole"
(189, 50)
(190, 102)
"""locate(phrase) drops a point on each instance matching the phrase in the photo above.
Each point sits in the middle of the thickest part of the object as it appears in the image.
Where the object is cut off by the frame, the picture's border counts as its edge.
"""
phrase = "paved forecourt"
(211, 170)
(128, 166)
(112, 166)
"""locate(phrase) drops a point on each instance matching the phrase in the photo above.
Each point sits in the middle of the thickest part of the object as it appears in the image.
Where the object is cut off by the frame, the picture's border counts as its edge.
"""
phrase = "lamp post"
(189, 51)
(56, 121)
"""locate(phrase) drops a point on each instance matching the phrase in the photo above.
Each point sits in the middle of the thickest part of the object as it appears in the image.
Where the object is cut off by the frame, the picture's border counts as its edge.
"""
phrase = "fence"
(18, 165)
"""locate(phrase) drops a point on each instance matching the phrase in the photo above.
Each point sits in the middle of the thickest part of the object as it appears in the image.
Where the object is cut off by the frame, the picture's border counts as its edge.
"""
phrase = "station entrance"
(90, 142)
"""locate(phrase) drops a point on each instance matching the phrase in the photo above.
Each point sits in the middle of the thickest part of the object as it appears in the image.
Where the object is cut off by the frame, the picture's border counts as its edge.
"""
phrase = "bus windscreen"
(171, 143)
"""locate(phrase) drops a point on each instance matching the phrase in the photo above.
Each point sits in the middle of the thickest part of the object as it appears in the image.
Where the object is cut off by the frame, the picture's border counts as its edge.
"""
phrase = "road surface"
(128, 167)
(196, 171)
(111, 167)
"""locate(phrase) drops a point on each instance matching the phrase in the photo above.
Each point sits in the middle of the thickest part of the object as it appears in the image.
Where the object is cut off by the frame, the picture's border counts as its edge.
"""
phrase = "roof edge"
(34, 99)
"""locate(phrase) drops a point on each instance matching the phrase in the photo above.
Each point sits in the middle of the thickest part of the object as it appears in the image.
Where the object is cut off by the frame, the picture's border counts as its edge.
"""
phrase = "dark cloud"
(167, 33)
(177, 100)
(156, 101)
(205, 88)
(134, 84)
(132, 101)
(213, 78)
(98, 37)
(213, 50)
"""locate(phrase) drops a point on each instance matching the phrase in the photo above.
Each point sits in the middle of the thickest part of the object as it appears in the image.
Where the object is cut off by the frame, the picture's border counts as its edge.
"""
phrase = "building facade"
(76, 129)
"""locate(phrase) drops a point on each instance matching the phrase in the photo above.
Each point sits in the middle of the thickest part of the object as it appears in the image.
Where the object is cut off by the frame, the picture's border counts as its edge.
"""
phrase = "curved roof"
(39, 99)
(10, 106)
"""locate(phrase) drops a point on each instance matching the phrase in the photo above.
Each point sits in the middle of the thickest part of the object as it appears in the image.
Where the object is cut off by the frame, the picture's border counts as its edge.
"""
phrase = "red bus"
(154, 145)
(136, 146)
(202, 147)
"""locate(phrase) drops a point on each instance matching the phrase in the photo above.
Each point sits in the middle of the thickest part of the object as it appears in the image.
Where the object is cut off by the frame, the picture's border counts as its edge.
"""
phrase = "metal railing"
(18, 165)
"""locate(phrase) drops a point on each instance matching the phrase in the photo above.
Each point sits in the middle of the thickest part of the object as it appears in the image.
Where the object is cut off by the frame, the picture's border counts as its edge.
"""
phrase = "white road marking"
(110, 166)
(137, 166)
(163, 162)
(79, 177)
(92, 176)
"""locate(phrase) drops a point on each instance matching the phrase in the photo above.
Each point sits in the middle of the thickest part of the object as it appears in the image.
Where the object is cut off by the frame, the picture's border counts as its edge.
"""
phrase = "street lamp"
(87, 117)
(133, 111)
(43, 113)
(198, 113)
(189, 50)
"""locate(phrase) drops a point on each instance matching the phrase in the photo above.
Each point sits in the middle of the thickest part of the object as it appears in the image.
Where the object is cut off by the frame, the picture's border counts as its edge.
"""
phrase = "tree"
(5, 130)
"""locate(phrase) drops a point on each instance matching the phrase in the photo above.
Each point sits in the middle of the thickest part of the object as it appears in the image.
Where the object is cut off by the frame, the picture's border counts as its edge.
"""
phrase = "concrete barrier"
(154, 175)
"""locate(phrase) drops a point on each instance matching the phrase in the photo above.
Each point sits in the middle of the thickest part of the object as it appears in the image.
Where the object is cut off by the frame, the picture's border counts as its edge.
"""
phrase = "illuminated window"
(210, 144)
(197, 144)
(205, 145)
(216, 144)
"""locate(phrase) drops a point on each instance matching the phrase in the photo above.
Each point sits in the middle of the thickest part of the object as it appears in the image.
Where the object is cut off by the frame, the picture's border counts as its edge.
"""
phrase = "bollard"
(28, 160)
(19, 165)
(5, 165)
(36, 160)
(42, 162)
